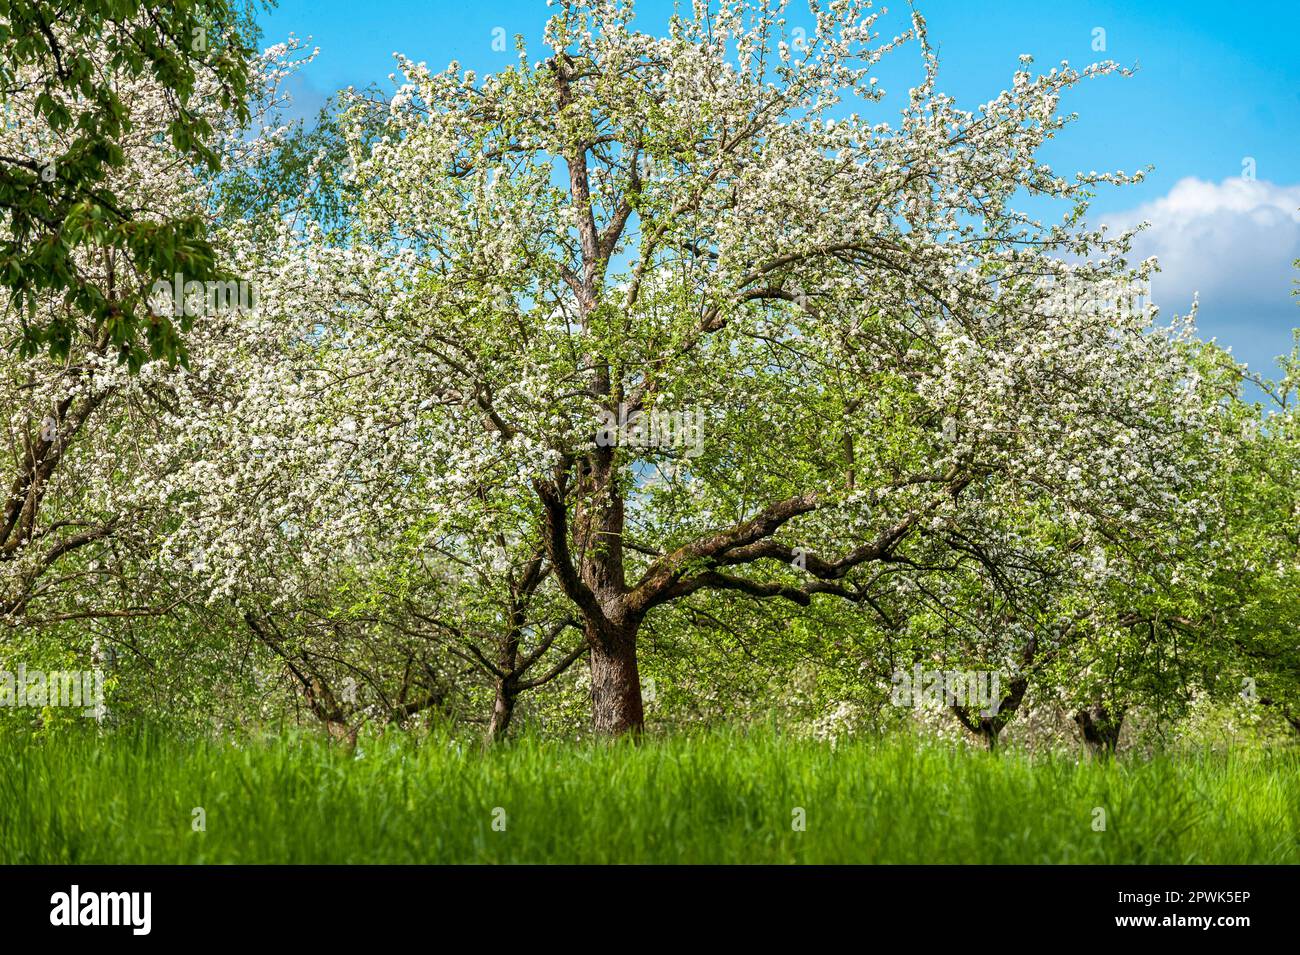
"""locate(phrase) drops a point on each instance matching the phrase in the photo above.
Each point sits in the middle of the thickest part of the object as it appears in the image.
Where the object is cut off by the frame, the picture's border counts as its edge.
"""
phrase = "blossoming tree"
(76, 418)
(884, 358)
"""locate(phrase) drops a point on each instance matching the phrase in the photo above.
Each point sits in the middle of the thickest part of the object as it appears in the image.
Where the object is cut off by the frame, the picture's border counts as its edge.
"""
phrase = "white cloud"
(1233, 242)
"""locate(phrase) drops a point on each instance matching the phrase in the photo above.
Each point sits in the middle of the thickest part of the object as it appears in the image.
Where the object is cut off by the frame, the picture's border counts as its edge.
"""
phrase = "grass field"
(131, 798)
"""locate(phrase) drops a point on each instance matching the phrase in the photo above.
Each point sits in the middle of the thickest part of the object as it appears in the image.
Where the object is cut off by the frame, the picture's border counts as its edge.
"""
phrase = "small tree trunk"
(1100, 728)
(615, 682)
(989, 728)
(503, 709)
(341, 732)
(327, 708)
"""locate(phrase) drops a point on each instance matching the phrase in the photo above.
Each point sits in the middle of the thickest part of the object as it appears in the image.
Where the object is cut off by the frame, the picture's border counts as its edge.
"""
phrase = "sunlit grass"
(718, 797)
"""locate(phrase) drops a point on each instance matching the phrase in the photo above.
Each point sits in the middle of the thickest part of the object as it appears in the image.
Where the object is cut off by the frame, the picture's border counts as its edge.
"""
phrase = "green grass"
(722, 797)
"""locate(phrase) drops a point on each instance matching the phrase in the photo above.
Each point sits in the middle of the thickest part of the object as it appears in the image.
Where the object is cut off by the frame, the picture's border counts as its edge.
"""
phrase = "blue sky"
(1215, 101)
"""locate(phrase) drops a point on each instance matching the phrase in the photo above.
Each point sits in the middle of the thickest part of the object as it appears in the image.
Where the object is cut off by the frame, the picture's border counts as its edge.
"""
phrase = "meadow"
(711, 797)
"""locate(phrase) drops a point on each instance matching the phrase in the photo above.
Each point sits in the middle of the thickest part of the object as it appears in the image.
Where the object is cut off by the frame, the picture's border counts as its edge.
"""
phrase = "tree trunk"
(988, 728)
(342, 733)
(615, 683)
(502, 712)
(611, 630)
(1100, 728)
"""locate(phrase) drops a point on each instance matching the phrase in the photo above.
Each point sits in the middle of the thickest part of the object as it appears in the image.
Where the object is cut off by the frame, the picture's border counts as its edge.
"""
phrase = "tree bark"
(615, 681)
(503, 710)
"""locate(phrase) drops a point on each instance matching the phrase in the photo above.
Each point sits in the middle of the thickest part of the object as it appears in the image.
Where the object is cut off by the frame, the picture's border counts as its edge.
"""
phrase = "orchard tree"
(1208, 614)
(310, 505)
(74, 419)
(86, 438)
(719, 329)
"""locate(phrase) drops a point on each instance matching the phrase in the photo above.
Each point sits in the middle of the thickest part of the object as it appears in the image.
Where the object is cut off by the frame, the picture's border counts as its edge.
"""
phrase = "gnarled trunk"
(615, 682)
(988, 727)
